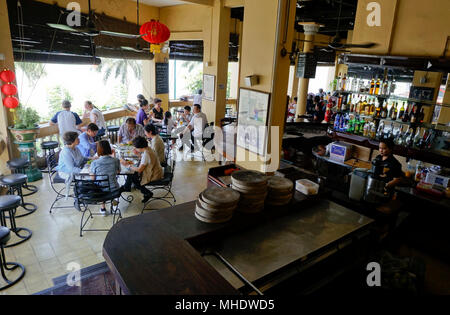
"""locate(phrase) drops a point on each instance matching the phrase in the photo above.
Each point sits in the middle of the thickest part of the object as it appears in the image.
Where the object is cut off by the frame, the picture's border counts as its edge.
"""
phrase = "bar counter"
(159, 252)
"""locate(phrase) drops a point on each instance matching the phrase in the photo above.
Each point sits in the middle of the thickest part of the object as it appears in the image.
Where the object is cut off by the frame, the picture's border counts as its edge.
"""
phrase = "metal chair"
(164, 184)
(5, 236)
(15, 183)
(57, 183)
(9, 204)
(95, 191)
(19, 166)
(113, 133)
(208, 139)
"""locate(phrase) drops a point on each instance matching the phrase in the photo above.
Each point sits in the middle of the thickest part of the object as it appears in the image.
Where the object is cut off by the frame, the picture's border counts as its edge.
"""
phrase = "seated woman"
(130, 130)
(71, 160)
(156, 143)
(168, 123)
(149, 169)
(106, 165)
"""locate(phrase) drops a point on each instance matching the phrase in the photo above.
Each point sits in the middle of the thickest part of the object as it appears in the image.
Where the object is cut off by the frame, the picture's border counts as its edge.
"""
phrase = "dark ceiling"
(336, 15)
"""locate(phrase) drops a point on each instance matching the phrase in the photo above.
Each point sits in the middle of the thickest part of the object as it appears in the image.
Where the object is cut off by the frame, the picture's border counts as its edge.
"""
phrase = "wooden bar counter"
(155, 253)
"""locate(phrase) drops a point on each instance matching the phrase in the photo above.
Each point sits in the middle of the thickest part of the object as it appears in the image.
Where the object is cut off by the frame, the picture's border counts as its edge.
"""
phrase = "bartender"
(390, 169)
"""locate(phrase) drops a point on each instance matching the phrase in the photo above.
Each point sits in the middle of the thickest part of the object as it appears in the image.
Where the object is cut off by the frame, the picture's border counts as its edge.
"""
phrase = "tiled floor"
(56, 242)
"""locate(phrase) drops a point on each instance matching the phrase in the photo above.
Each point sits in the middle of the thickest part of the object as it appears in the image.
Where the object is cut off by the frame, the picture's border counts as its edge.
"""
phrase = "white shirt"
(198, 99)
(100, 120)
(199, 122)
(66, 122)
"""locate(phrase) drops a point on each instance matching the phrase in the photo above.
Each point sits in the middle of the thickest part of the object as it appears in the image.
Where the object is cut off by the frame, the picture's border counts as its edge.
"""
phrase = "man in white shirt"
(198, 97)
(195, 127)
(67, 120)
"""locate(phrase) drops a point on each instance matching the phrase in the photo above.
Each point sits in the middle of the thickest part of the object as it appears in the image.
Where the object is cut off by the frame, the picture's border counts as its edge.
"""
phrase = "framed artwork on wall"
(253, 116)
(209, 87)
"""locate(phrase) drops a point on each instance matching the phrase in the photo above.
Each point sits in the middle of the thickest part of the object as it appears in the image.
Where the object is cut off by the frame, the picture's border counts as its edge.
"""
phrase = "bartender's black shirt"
(391, 168)
(158, 115)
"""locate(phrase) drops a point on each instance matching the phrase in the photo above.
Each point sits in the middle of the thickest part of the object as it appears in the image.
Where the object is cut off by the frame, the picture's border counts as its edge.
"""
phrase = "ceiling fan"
(336, 43)
(90, 29)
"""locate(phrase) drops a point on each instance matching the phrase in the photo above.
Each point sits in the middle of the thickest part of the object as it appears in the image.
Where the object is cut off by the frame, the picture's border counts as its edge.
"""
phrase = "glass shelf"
(393, 97)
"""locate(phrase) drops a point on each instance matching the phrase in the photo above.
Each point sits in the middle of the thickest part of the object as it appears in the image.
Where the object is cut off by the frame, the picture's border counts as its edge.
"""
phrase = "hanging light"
(7, 76)
(155, 33)
(11, 102)
(9, 89)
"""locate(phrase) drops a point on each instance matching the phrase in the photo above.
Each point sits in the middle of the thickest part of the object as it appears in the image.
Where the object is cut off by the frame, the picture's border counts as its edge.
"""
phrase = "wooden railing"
(114, 117)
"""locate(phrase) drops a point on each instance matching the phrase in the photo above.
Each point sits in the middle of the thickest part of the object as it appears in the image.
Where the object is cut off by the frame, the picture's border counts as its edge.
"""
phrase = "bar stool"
(14, 182)
(9, 204)
(113, 133)
(19, 166)
(5, 236)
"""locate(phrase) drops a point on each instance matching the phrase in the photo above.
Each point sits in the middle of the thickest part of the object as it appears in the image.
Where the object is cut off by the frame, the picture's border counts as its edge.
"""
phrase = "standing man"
(198, 97)
(66, 120)
(96, 117)
(196, 126)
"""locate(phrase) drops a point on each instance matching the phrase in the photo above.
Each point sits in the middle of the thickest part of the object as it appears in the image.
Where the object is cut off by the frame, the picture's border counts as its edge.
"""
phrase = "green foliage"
(194, 82)
(33, 71)
(55, 96)
(121, 68)
(118, 98)
(26, 118)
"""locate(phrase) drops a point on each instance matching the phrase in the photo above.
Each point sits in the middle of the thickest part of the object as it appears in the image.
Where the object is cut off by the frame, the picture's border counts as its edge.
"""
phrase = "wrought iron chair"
(164, 184)
(57, 183)
(208, 139)
(95, 190)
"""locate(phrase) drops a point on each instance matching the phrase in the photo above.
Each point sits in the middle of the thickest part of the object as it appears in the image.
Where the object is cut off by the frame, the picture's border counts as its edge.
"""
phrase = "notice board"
(162, 78)
(306, 66)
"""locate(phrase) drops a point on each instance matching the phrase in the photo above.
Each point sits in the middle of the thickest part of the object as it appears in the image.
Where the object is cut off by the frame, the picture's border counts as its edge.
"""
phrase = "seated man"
(66, 120)
(130, 130)
(195, 127)
(186, 116)
(156, 143)
(87, 145)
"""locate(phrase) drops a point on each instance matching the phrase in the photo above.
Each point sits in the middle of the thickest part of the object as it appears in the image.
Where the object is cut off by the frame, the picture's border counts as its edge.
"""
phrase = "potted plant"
(25, 129)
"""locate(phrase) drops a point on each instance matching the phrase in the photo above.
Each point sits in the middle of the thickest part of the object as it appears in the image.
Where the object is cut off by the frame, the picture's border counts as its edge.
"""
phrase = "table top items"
(252, 187)
(216, 205)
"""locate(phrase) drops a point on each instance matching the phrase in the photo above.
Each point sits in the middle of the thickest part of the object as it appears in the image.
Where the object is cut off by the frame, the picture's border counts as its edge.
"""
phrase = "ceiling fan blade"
(367, 45)
(108, 33)
(132, 49)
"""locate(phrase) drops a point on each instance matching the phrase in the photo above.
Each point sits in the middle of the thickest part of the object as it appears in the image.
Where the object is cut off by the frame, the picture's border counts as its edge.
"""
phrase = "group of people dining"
(82, 144)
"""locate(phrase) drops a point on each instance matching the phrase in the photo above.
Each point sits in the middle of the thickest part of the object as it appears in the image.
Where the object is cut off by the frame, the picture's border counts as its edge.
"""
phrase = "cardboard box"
(437, 180)
(340, 151)
(361, 153)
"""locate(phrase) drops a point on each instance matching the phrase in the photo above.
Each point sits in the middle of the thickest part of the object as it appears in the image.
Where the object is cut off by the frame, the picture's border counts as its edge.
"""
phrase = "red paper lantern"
(155, 32)
(9, 89)
(11, 102)
(7, 76)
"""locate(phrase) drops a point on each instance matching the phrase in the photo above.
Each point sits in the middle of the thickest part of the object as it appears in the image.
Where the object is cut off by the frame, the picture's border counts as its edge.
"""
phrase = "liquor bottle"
(385, 89)
(421, 115)
(349, 100)
(393, 86)
(342, 123)
(337, 121)
(413, 117)
(351, 124)
(399, 139)
(373, 131)
(417, 138)
(391, 111)
(380, 131)
(366, 106)
(402, 112)
(396, 131)
(406, 114)
(377, 113)
(409, 138)
(338, 87)
(339, 105)
(366, 129)
(354, 85)
(394, 112)
(384, 110)
(372, 86)
(372, 108)
(377, 86)
(344, 82)
(361, 126)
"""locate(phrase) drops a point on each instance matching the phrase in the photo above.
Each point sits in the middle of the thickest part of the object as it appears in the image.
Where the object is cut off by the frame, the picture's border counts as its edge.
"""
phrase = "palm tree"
(33, 71)
(121, 69)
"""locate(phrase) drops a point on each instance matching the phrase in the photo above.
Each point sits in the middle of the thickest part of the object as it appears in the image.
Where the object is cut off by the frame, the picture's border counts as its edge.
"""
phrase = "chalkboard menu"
(162, 78)
(306, 66)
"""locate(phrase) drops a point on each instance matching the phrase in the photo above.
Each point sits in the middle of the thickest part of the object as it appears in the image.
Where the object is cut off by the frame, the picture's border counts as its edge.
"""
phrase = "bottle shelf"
(393, 97)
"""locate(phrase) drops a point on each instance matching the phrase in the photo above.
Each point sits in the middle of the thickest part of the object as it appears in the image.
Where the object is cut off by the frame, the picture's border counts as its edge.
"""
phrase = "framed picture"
(252, 120)
(209, 87)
